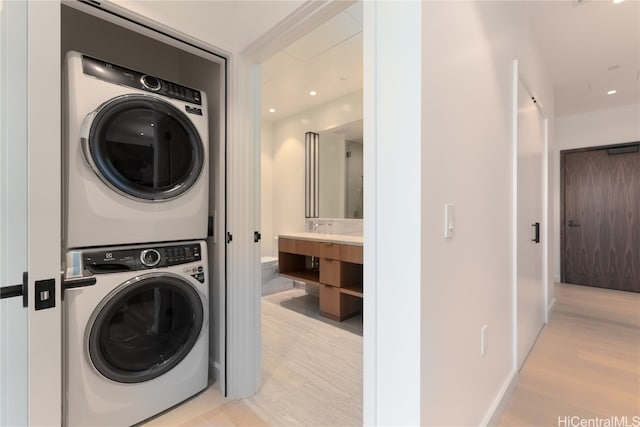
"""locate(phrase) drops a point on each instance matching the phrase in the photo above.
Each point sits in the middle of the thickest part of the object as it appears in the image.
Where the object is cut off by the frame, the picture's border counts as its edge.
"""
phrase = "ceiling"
(328, 61)
(231, 25)
(589, 47)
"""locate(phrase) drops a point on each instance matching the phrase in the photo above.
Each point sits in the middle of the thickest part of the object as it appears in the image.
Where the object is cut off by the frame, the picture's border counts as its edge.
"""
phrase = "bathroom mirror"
(334, 172)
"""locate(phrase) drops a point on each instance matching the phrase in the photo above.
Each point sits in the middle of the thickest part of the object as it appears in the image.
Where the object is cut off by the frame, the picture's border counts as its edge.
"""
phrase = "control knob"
(150, 257)
(150, 83)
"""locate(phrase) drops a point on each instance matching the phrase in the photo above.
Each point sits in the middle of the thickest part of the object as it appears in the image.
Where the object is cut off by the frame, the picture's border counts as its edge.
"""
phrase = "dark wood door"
(601, 230)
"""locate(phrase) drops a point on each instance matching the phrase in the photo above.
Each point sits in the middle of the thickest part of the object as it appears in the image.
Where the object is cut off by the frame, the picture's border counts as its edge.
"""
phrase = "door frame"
(517, 78)
(44, 209)
(219, 159)
(244, 302)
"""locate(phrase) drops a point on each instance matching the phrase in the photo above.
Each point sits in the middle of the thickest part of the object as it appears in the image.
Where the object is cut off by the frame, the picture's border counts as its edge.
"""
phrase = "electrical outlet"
(484, 340)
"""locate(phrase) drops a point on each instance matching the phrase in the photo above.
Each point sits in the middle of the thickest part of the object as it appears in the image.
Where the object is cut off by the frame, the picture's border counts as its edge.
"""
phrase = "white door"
(13, 212)
(530, 208)
(30, 348)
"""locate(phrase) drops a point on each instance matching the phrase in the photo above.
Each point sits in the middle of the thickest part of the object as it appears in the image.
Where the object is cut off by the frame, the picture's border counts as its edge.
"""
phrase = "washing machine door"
(145, 327)
(143, 147)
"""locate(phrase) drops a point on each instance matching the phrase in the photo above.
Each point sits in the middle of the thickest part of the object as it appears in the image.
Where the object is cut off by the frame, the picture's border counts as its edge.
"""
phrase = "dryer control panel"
(139, 258)
(126, 77)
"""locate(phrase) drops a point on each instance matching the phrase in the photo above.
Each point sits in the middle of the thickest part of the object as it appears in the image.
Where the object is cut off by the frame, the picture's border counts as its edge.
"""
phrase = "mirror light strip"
(311, 179)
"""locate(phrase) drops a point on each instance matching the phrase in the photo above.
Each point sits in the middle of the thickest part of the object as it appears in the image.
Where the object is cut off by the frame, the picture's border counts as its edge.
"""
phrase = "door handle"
(79, 282)
(17, 290)
(536, 232)
(572, 223)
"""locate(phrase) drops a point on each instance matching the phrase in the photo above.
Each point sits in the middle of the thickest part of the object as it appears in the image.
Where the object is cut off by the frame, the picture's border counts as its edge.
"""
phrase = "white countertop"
(345, 239)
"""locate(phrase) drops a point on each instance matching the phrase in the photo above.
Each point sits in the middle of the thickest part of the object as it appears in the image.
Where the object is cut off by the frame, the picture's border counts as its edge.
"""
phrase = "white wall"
(604, 127)
(392, 195)
(467, 152)
(288, 158)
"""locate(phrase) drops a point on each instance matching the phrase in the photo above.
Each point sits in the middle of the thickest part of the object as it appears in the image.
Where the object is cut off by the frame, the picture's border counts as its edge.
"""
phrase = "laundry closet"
(143, 218)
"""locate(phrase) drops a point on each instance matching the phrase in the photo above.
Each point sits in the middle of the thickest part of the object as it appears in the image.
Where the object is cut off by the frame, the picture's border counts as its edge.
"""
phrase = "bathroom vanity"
(330, 261)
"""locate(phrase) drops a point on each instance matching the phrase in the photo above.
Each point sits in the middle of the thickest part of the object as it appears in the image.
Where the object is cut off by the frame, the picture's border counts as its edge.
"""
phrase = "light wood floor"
(586, 362)
(312, 376)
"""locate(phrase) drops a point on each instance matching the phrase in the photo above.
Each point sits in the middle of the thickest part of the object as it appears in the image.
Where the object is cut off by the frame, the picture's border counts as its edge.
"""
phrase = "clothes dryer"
(136, 331)
(136, 166)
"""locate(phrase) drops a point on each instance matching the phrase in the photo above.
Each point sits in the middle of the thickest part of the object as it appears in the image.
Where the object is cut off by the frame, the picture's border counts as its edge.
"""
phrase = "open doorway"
(311, 360)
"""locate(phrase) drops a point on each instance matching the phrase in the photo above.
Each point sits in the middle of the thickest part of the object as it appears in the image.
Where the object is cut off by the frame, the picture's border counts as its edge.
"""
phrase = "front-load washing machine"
(136, 331)
(136, 157)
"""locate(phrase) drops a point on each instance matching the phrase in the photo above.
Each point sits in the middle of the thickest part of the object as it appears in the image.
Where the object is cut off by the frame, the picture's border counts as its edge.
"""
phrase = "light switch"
(449, 221)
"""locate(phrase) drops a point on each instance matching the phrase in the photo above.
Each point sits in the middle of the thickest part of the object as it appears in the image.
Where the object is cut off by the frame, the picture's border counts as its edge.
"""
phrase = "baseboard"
(550, 309)
(497, 407)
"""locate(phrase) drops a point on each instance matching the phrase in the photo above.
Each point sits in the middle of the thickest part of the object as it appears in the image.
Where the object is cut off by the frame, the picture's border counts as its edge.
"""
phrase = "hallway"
(586, 363)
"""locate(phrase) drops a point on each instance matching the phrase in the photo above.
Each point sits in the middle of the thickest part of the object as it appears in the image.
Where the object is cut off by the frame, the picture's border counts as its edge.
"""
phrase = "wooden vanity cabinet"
(351, 253)
(329, 301)
(338, 273)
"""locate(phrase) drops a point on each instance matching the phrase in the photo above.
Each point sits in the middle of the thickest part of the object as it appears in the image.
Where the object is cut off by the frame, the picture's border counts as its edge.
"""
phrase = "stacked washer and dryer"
(136, 322)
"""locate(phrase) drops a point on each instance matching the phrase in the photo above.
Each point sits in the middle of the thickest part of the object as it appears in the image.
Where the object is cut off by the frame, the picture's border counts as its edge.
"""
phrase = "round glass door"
(144, 148)
(146, 328)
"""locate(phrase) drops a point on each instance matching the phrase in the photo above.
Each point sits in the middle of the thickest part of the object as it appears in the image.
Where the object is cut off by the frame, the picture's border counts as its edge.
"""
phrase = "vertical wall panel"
(13, 210)
(44, 197)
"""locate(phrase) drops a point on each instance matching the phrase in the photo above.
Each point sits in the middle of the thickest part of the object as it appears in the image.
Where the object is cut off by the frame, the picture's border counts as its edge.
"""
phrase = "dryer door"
(143, 147)
(145, 327)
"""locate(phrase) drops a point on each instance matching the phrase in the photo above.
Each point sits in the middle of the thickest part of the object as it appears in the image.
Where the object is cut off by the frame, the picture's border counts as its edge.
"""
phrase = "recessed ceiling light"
(611, 92)
(272, 110)
(617, 1)
(313, 93)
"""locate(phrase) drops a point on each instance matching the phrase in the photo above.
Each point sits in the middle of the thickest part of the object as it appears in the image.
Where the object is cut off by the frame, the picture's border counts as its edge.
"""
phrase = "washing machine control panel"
(131, 259)
(126, 77)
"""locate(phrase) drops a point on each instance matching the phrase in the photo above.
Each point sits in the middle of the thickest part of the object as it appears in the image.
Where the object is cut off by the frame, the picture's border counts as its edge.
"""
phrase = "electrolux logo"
(613, 421)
